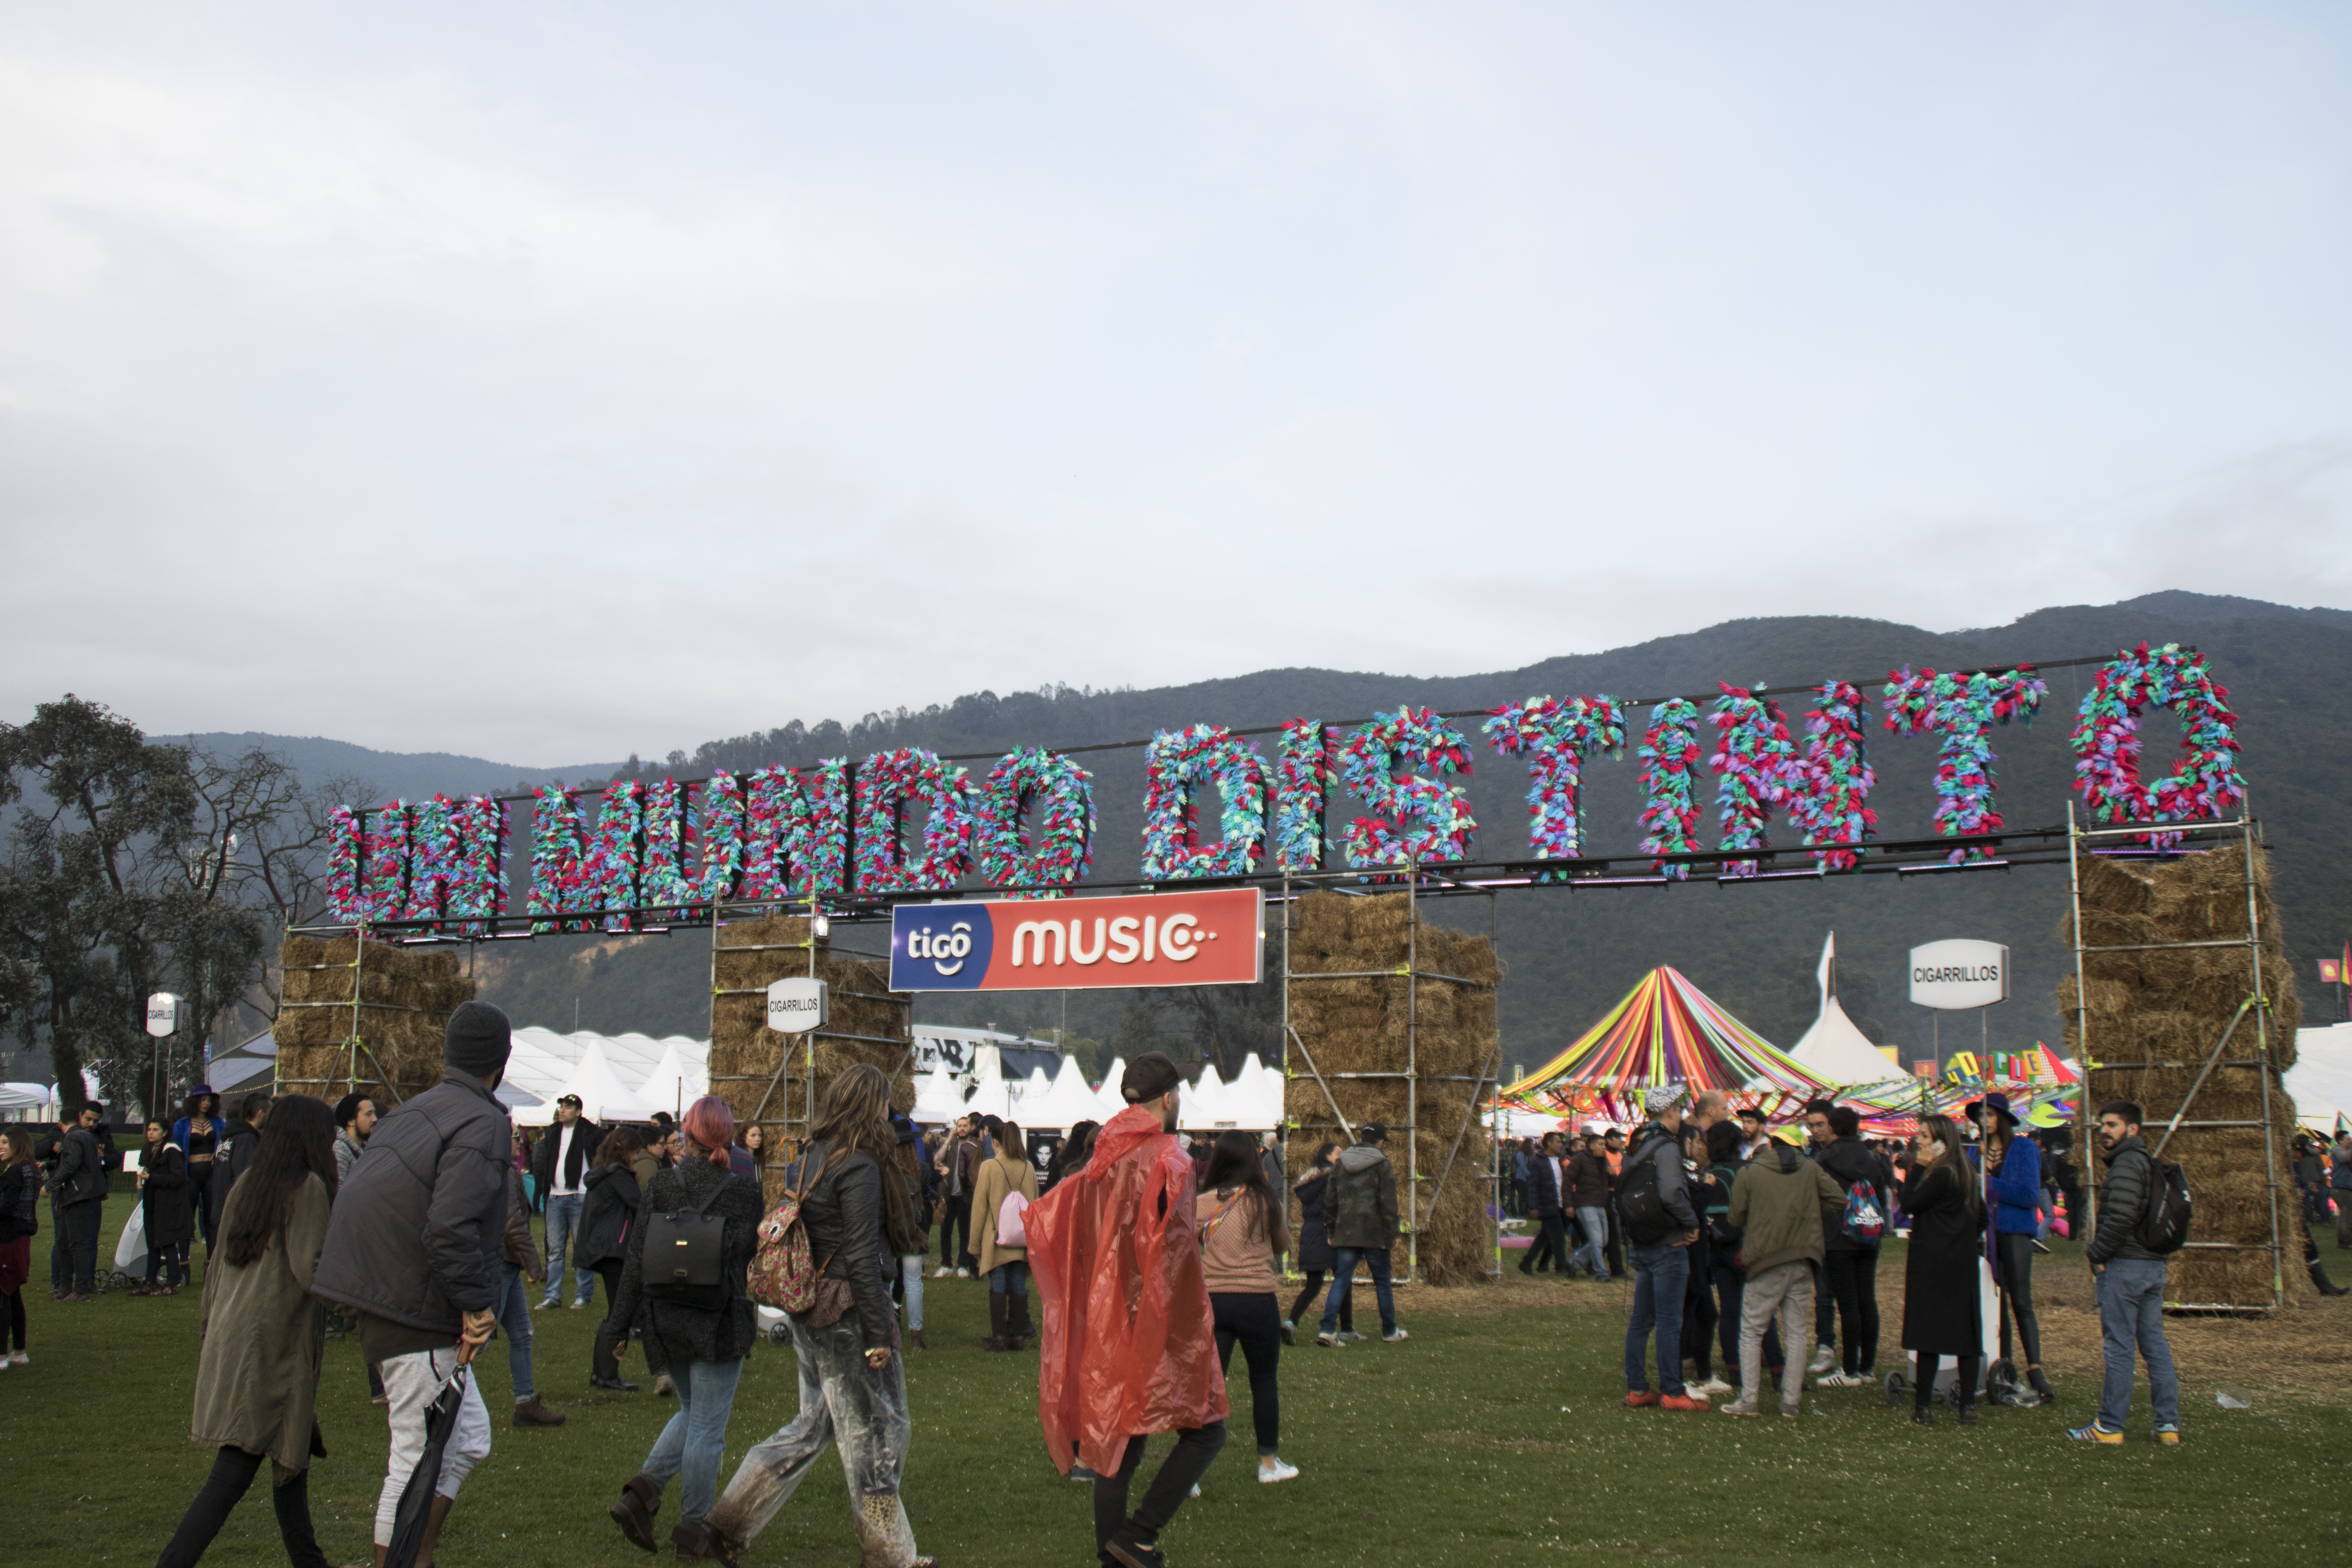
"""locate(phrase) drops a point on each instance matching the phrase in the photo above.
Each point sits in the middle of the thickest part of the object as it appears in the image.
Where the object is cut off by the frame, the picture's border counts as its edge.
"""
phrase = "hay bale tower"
(367, 1016)
(769, 1077)
(1354, 1031)
(2155, 1015)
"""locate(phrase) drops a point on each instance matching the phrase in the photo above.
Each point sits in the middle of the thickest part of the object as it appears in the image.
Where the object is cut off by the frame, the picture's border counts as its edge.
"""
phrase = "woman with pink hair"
(697, 1333)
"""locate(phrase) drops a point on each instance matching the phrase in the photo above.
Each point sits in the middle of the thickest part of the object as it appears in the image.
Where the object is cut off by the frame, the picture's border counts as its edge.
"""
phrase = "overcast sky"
(548, 382)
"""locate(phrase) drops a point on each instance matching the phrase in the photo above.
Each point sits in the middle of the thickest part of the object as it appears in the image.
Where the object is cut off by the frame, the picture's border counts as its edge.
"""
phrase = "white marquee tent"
(605, 1097)
(2321, 1078)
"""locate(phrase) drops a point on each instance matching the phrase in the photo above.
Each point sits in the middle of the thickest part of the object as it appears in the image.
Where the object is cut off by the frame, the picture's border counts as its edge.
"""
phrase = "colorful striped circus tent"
(1665, 1030)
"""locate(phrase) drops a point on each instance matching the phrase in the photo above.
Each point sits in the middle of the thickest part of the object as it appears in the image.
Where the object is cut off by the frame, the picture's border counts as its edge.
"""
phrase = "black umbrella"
(417, 1498)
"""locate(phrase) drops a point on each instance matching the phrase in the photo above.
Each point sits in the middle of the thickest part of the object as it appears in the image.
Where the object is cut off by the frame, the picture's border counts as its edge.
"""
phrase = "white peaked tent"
(939, 1098)
(1256, 1095)
(1029, 1096)
(1068, 1103)
(1833, 1049)
(1108, 1096)
(2321, 1079)
(990, 1094)
(604, 1098)
(678, 1080)
(1201, 1106)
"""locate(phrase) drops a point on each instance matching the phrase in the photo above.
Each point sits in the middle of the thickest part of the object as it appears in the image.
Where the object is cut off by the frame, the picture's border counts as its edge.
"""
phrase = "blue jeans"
(513, 1308)
(562, 1225)
(1660, 1275)
(2131, 1316)
(910, 1285)
(696, 1435)
(1344, 1282)
(1593, 1256)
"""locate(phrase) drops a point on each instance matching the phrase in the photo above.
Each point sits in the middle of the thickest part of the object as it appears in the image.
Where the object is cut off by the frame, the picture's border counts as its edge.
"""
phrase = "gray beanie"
(478, 1040)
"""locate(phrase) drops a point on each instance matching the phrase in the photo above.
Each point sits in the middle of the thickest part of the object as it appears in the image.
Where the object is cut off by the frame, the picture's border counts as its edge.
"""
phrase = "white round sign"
(797, 1006)
(1959, 973)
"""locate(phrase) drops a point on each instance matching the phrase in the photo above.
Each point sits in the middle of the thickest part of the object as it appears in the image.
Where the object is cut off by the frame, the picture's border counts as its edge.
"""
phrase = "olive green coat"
(264, 1332)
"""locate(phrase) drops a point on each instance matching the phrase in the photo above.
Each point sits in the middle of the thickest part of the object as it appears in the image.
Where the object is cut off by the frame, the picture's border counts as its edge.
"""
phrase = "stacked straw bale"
(750, 1067)
(1358, 1024)
(405, 997)
(2169, 1008)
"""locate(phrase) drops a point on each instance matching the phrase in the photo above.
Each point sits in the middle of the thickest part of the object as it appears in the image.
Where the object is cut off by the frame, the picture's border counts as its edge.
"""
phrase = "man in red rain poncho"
(1130, 1346)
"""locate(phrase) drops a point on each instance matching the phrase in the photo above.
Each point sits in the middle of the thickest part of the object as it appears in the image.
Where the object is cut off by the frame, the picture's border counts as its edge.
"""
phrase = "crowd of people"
(1767, 1239)
(1135, 1260)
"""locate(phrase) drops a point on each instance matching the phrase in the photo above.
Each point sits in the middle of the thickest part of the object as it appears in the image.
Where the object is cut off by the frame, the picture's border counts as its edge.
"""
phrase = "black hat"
(1370, 1133)
(1998, 1103)
(906, 1128)
(571, 1100)
(478, 1040)
(1148, 1077)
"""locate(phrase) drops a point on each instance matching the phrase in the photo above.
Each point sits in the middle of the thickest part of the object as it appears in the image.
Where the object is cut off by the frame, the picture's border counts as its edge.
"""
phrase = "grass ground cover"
(1494, 1436)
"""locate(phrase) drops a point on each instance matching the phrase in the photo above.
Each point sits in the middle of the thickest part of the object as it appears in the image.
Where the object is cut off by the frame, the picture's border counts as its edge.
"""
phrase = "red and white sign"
(1214, 936)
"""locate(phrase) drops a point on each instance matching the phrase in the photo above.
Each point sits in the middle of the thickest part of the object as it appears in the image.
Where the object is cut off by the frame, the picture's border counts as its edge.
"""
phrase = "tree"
(96, 807)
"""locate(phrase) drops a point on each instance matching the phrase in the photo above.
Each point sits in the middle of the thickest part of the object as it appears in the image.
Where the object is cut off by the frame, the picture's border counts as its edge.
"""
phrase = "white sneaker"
(1196, 1488)
(1267, 1474)
(18, 1358)
(1395, 1337)
(1349, 1336)
(1328, 1342)
(963, 1273)
(1842, 1380)
(942, 1272)
(1824, 1358)
(1712, 1388)
(579, 1306)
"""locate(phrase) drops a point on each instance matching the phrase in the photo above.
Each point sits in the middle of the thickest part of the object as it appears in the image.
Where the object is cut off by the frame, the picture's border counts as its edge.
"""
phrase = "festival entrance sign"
(1214, 936)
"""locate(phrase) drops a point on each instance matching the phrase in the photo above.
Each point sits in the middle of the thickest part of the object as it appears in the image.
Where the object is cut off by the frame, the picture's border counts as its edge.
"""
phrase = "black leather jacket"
(418, 1234)
(676, 1331)
(606, 1217)
(843, 1213)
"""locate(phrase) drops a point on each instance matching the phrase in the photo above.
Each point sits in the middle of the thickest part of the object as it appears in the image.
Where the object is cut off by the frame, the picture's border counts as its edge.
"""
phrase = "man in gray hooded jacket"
(1360, 1219)
(414, 1248)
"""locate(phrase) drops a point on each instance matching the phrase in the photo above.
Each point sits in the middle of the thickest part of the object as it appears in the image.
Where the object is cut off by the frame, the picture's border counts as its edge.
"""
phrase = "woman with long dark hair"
(1316, 1256)
(853, 1384)
(198, 1134)
(1942, 1315)
(257, 1375)
(20, 1221)
(1243, 1231)
(1071, 1155)
(1004, 1261)
(698, 1334)
(163, 1212)
(603, 1244)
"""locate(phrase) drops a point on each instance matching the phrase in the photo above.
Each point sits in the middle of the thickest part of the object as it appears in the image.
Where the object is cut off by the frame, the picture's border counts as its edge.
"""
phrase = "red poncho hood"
(1131, 1345)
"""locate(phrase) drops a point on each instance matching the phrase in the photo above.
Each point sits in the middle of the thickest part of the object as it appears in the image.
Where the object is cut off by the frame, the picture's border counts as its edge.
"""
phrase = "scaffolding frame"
(2256, 1006)
(1372, 882)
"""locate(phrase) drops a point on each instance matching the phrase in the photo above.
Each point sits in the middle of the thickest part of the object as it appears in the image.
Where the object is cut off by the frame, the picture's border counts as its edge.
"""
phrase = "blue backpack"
(1865, 1221)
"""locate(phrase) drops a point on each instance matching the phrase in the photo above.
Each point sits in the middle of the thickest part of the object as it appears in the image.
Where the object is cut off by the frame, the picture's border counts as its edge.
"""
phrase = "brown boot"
(996, 1316)
(640, 1501)
(916, 1335)
(532, 1412)
(696, 1540)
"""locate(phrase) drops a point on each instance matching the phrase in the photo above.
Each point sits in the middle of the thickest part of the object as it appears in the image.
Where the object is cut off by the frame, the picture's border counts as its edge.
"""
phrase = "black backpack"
(1639, 1203)
(2166, 1211)
(682, 1261)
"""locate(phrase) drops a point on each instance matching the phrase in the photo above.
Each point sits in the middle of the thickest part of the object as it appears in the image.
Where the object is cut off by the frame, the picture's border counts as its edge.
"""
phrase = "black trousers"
(609, 1332)
(1254, 1322)
(1731, 1295)
(1613, 1247)
(81, 1243)
(1824, 1308)
(2017, 1290)
(1313, 1296)
(16, 1319)
(1180, 1472)
(1699, 1321)
(1922, 1393)
(1551, 1250)
(233, 1472)
(171, 1262)
(1854, 1284)
(200, 1201)
(959, 1214)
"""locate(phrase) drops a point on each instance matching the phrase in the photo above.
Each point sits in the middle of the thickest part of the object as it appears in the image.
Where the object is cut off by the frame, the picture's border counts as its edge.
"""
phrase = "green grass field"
(1495, 1436)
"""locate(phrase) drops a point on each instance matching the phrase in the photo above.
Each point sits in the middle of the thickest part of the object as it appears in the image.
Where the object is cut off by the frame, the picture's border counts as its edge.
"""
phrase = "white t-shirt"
(563, 1189)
